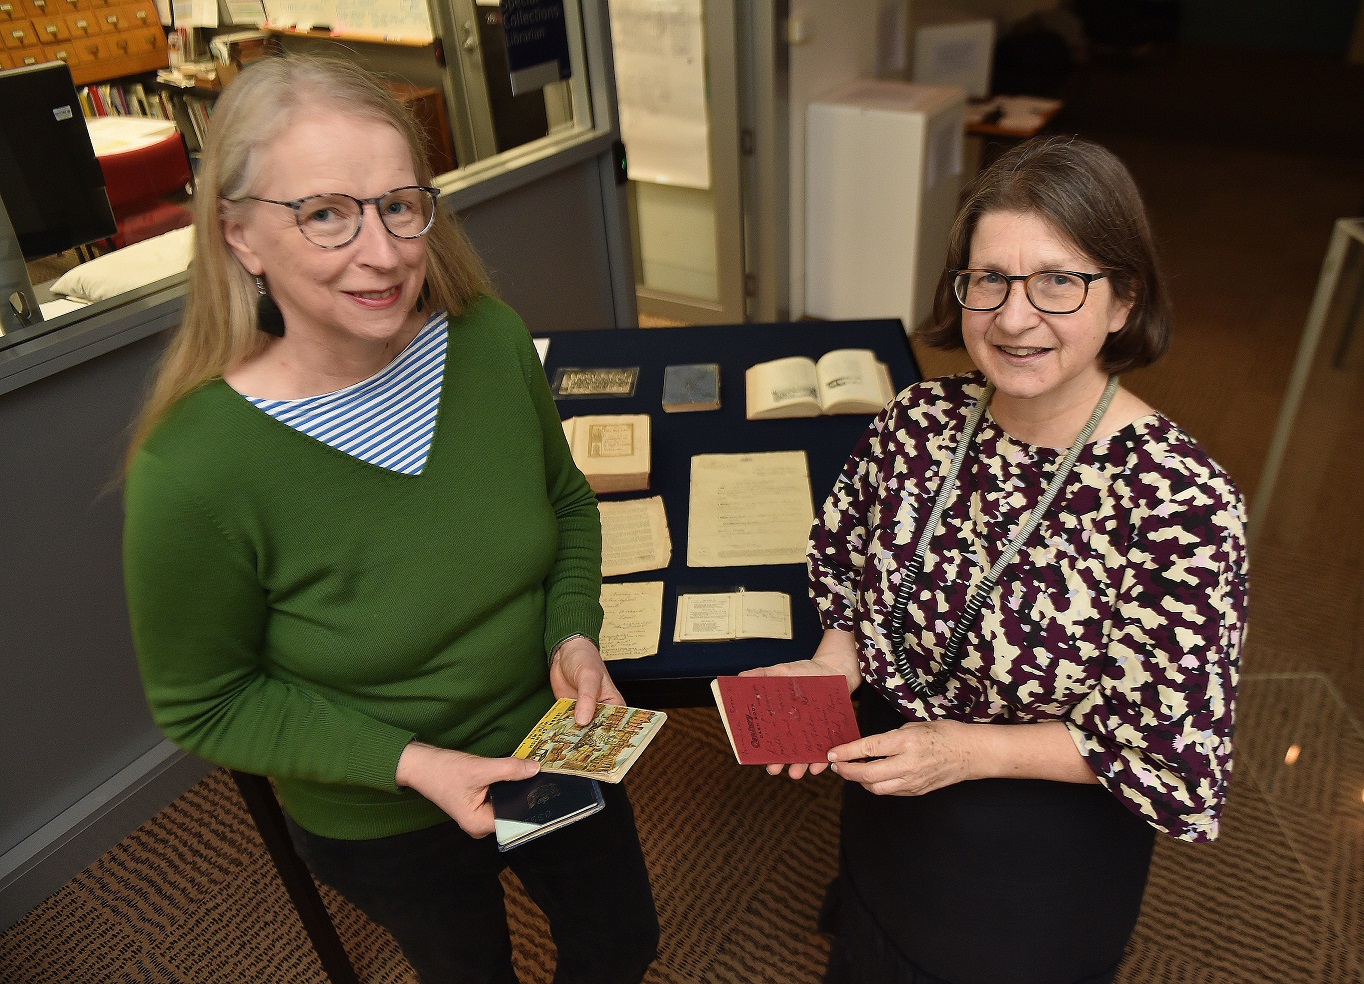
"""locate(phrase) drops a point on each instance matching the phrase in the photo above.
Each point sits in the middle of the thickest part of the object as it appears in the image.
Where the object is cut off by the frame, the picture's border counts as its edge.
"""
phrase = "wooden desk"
(999, 123)
(1016, 117)
(680, 674)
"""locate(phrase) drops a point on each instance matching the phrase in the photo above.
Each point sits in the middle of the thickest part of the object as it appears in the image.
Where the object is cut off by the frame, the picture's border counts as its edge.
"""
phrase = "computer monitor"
(50, 180)
(958, 52)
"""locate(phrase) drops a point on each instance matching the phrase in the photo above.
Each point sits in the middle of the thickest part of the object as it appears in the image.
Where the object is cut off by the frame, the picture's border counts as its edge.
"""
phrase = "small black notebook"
(530, 808)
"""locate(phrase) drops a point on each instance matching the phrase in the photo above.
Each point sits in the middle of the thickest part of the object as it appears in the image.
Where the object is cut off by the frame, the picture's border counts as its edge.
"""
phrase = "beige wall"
(837, 43)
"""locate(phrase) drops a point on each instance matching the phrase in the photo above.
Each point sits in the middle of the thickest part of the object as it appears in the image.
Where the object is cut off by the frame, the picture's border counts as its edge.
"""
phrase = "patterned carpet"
(739, 863)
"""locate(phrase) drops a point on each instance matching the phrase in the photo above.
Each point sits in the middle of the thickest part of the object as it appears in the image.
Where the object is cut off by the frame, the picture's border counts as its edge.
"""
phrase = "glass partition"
(497, 87)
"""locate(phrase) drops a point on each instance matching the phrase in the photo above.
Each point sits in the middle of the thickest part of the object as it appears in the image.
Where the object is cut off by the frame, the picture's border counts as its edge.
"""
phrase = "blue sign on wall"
(537, 43)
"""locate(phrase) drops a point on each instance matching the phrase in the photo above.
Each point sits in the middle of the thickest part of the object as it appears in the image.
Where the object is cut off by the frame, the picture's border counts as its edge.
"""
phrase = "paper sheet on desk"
(633, 619)
(244, 12)
(749, 509)
(634, 536)
(193, 13)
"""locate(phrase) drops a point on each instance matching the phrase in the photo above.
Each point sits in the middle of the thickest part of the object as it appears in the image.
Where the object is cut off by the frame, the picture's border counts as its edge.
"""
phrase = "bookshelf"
(147, 98)
(190, 108)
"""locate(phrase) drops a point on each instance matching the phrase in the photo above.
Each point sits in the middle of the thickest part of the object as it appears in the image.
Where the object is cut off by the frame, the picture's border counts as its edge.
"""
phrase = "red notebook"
(785, 720)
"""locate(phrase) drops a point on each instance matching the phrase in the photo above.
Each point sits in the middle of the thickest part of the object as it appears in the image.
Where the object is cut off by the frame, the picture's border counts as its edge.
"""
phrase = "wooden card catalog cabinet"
(99, 41)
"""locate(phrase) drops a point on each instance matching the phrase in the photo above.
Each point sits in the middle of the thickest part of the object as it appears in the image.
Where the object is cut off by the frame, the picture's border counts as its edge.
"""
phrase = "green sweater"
(301, 614)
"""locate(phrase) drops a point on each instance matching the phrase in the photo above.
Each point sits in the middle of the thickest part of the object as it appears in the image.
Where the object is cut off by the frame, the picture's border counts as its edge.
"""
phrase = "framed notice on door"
(537, 43)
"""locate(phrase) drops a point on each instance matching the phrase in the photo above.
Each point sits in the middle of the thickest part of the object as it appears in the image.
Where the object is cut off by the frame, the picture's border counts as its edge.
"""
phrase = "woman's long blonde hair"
(219, 328)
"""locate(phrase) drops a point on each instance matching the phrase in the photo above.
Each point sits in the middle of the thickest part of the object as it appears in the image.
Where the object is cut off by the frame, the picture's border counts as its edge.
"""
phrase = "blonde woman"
(359, 557)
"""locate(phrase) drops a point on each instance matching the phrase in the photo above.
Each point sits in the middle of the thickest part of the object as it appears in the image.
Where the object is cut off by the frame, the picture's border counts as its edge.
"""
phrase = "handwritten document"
(634, 619)
(749, 509)
(634, 536)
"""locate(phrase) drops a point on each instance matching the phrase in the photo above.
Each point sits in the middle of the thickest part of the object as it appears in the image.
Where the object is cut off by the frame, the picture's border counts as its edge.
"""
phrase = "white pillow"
(132, 266)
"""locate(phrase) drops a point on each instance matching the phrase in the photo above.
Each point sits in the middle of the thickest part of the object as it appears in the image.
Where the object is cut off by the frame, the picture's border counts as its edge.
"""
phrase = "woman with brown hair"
(1036, 584)
(359, 557)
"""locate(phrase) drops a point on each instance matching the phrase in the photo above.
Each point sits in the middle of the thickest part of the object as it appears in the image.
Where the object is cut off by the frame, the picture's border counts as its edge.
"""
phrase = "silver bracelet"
(560, 645)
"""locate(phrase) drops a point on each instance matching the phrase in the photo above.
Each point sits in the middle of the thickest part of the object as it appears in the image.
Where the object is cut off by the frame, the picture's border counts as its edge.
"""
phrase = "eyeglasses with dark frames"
(334, 220)
(1050, 291)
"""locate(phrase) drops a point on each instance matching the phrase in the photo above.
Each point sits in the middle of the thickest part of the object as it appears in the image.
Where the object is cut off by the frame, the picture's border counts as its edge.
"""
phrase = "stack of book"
(192, 113)
(233, 52)
(612, 450)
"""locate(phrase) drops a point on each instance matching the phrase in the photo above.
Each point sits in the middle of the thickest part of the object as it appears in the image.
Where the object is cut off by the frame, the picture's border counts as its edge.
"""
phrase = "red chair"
(138, 183)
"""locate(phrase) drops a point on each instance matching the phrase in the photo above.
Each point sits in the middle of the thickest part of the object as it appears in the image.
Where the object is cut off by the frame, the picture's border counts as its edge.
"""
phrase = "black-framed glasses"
(1050, 291)
(334, 220)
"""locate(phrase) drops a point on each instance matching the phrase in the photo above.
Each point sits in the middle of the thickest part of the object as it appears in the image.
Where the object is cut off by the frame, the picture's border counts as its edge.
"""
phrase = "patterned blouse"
(1122, 615)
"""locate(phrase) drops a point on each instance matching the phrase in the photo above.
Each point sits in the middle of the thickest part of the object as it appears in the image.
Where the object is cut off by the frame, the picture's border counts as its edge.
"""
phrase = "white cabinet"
(883, 175)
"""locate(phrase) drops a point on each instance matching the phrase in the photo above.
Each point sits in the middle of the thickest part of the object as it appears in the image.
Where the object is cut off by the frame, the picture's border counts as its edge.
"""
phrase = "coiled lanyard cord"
(935, 684)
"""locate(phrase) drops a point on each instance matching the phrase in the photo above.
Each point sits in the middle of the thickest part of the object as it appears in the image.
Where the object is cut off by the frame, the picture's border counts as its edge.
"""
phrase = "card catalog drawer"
(83, 24)
(62, 52)
(23, 57)
(50, 30)
(92, 48)
(19, 34)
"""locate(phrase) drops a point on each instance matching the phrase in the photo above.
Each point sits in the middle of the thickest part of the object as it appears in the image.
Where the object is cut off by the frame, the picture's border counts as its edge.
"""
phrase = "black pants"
(1007, 881)
(438, 892)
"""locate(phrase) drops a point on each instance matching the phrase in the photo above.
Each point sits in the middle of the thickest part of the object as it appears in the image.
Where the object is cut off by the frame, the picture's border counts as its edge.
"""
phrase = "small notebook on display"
(691, 386)
(530, 808)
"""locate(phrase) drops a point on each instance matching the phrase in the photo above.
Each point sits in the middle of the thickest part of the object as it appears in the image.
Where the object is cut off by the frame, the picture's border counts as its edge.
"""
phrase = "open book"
(843, 381)
(717, 617)
(603, 749)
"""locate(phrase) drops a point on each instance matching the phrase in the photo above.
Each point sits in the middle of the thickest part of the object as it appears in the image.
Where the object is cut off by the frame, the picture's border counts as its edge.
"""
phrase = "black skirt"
(997, 881)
